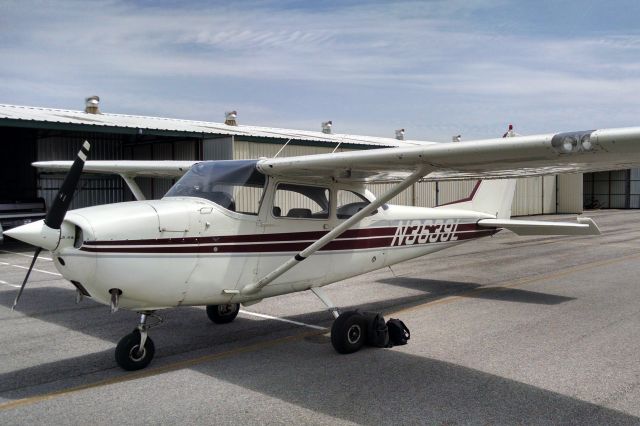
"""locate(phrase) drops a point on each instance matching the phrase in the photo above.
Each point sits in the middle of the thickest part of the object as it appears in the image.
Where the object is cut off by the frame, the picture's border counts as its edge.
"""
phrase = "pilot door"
(295, 216)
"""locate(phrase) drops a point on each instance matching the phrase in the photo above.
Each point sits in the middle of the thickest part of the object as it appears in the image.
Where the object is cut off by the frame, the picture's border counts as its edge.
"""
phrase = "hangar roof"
(26, 116)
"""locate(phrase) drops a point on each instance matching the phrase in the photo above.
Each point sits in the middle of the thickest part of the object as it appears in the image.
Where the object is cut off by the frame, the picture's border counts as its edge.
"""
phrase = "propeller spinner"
(46, 234)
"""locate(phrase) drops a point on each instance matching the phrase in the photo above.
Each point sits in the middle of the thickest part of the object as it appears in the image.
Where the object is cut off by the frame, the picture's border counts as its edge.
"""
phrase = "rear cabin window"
(235, 185)
(301, 202)
(350, 203)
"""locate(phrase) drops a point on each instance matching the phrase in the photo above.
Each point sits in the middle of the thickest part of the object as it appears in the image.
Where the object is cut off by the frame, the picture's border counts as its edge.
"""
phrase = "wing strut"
(333, 234)
(133, 186)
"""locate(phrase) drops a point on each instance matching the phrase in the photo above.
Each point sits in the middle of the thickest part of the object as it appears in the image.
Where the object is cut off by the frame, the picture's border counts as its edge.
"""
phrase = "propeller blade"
(33, 261)
(58, 210)
(65, 195)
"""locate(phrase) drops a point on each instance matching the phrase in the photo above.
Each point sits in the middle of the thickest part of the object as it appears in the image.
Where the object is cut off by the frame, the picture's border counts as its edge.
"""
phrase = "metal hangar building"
(40, 134)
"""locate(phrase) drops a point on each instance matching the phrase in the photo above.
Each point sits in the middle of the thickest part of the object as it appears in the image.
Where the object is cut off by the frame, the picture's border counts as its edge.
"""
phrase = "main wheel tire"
(349, 332)
(128, 355)
(223, 314)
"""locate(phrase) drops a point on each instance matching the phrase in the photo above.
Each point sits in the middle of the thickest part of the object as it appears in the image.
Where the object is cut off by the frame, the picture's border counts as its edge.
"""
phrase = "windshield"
(235, 185)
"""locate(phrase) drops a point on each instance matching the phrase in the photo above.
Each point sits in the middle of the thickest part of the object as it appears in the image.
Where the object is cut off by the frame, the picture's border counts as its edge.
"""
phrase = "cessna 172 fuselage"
(191, 250)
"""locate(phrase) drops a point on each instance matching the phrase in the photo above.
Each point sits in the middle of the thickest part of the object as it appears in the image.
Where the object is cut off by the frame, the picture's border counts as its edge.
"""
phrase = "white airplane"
(235, 232)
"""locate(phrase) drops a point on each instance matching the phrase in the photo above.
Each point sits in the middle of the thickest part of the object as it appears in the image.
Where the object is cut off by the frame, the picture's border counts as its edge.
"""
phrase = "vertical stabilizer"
(495, 197)
(489, 196)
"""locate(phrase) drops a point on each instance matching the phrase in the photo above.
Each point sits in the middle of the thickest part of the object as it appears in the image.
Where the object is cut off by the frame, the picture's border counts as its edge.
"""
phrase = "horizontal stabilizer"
(584, 226)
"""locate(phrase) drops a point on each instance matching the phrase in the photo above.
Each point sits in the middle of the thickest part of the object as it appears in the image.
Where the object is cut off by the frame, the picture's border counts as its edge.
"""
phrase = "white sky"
(436, 68)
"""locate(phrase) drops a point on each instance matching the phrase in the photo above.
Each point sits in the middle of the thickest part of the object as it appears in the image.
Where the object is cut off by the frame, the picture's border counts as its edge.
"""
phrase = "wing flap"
(584, 226)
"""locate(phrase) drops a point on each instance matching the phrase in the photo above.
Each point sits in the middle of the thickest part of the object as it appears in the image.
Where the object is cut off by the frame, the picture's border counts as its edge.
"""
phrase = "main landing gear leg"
(325, 299)
(135, 351)
(349, 330)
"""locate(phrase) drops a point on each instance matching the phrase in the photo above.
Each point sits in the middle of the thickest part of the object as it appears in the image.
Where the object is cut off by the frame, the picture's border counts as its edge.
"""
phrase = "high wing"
(580, 151)
(129, 168)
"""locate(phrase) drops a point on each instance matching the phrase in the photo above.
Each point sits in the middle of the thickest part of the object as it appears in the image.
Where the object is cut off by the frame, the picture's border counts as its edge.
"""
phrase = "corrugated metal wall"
(243, 150)
(404, 198)
(217, 148)
(92, 189)
(569, 193)
(454, 190)
(534, 196)
(549, 195)
(425, 194)
(155, 188)
(528, 197)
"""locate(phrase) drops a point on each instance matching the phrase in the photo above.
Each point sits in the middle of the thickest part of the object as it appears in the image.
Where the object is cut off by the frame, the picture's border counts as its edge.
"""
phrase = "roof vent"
(510, 132)
(230, 118)
(91, 105)
(400, 134)
(326, 126)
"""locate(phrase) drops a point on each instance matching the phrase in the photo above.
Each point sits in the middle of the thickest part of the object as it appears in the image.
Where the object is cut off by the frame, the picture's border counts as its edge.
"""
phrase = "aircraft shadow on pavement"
(387, 386)
(371, 386)
(441, 288)
(187, 329)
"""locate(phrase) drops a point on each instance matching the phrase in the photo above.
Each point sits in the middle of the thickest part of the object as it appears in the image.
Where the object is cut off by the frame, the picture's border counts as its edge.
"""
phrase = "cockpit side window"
(349, 203)
(234, 185)
(301, 201)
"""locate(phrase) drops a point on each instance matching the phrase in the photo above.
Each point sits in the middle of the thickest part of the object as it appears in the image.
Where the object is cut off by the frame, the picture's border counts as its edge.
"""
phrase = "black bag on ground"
(377, 332)
(398, 332)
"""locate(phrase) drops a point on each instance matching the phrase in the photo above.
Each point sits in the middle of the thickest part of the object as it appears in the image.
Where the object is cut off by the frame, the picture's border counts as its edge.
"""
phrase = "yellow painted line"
(156, 371)
(518, 283)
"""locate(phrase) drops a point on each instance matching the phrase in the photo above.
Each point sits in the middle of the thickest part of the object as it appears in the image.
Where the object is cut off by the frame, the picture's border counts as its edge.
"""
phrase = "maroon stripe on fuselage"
(258, 238)
(344, 244)
(250, 238)
(462, 200)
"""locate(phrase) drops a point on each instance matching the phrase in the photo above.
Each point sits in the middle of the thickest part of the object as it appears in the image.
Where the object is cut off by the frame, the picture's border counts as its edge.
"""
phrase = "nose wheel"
(129, 354)
(136, 350)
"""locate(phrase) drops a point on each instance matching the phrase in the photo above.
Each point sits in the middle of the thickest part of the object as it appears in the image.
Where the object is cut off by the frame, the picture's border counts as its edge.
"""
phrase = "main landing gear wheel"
(349, 332)
(223, 314)
(129, 355)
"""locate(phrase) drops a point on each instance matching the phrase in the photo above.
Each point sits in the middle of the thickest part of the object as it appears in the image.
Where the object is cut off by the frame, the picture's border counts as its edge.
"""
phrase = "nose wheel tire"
(349, 332)
(128, 353)
(223, 314)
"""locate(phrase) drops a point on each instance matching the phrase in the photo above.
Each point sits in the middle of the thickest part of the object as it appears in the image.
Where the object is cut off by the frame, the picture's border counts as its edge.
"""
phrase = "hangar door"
(158, 149)
(619, 189)
(93, 189)
(16, 174)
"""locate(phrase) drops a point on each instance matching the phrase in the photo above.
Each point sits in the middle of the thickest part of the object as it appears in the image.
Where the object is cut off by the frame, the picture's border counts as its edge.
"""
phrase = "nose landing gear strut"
(135, 350)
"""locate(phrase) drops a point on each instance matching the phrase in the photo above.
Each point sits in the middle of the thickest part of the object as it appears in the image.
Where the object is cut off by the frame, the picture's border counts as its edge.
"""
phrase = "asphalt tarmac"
(504, 330)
